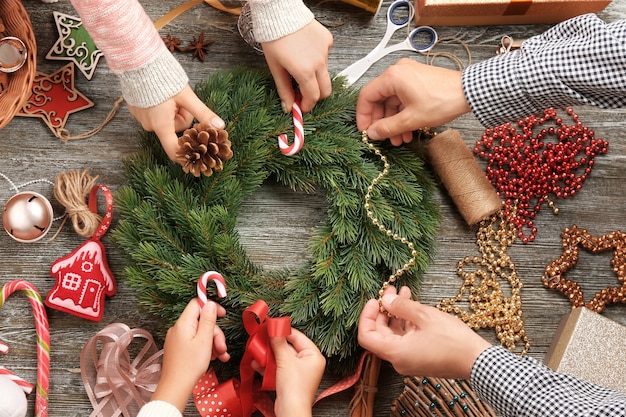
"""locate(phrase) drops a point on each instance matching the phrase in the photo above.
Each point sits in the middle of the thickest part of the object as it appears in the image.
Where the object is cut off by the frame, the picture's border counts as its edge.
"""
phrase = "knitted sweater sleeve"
(134, 50)
(274, 19)
(159, 409)
(580, 61)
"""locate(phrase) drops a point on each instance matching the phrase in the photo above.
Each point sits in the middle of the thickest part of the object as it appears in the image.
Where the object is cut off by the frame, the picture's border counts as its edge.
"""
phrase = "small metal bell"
(27, 216)
(12, 54)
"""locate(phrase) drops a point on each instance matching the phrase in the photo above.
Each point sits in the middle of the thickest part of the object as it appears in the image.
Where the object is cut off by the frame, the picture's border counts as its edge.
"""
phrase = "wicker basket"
(17, 23)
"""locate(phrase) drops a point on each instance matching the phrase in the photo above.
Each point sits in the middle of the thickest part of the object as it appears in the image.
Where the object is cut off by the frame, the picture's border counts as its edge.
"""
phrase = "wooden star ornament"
(74, 44)
(573, 238)
(54, 98)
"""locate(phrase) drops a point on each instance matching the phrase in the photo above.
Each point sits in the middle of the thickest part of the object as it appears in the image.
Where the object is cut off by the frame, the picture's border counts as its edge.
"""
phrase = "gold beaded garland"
(370, 214)
(489, 306)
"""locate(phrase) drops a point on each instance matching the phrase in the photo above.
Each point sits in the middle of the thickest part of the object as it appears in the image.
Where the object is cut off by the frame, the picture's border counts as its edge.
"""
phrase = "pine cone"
(202, 150)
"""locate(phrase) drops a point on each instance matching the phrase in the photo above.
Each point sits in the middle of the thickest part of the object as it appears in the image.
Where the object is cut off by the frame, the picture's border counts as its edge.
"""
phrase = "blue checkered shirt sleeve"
(581, 61)
(521, 386)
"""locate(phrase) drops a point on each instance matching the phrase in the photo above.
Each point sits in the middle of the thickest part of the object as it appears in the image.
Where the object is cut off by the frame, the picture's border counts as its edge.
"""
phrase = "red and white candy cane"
(43, 339)
(220, 284)
(26, 386)
(298, 141)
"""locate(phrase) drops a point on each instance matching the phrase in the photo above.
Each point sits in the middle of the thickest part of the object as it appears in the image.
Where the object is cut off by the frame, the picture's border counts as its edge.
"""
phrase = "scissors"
(353, 72)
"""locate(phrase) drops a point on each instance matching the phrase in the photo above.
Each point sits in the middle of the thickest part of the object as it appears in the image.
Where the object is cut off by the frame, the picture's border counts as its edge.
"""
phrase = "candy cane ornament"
(43, 339)
(220, 284)
(26, 386)
(298, 141)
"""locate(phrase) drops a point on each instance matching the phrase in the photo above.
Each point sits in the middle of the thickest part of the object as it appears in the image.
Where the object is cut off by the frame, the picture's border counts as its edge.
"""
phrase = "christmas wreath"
(175, 226)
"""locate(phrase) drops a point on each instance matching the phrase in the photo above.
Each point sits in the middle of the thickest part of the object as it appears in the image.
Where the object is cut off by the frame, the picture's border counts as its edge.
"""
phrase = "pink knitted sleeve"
(122, 30)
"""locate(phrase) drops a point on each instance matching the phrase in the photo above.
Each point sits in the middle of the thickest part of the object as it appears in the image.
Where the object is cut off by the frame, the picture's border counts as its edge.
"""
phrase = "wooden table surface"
(30, 152)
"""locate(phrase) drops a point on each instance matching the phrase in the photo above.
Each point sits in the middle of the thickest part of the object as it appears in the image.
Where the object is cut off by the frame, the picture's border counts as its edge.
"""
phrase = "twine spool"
(467, 184)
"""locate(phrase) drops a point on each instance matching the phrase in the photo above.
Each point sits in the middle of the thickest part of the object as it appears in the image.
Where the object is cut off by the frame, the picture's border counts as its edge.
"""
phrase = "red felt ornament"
(83, 277)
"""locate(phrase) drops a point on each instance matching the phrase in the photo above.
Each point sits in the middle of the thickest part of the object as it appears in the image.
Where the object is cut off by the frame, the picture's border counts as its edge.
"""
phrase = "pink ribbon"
(115, 383)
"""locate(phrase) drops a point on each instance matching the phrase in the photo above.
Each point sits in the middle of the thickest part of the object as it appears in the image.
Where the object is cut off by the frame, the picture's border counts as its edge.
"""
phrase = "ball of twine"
(71, 189)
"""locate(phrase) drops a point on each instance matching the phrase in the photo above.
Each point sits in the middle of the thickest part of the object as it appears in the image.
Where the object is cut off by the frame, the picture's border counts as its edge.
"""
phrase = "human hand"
(175, 115)
(409, 96)
(190, 345)
(303, 55)
(417, 339)
(299, 369)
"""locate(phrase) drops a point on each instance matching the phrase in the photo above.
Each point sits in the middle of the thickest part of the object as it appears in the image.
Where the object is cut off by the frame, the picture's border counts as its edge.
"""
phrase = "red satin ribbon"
(260, 328)
(241, 399)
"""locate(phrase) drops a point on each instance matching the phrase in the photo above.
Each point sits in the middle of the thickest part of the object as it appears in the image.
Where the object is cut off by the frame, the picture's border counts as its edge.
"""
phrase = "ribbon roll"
(298, 141)
(220, 284)
(115, 384)
(43, 339)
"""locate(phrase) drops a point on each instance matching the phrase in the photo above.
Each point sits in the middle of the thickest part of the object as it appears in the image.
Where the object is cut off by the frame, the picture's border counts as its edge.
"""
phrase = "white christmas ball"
(12, 399)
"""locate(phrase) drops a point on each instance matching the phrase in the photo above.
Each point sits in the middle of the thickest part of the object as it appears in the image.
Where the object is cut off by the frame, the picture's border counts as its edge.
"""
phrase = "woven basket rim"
(17, 23)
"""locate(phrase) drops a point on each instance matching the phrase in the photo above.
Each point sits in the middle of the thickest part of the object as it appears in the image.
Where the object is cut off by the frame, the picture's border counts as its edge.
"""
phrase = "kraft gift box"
(501, 12)
(589, 346)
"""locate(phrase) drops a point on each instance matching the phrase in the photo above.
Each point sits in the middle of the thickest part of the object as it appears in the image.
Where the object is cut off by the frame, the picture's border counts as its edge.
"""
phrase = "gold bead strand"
(395, 236)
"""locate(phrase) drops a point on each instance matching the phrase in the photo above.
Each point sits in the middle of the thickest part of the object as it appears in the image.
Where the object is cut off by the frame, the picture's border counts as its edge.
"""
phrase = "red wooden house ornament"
(83, 277)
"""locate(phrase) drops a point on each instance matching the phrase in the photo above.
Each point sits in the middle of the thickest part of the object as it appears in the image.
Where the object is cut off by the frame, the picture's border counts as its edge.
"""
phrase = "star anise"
(172, 42)
(199, 46)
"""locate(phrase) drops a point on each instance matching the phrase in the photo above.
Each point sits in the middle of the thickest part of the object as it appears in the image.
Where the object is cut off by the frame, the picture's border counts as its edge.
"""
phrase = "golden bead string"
(489, 306)
(384, 229)
(573, 237)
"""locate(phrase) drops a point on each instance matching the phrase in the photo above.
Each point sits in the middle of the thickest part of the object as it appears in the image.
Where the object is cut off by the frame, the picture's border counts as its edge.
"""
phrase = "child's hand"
(299, 369)
(190, 345)
(175, 115)
(302, 55)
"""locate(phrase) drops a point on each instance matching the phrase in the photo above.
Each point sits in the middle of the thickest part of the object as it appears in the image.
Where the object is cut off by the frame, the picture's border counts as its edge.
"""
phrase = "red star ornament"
(54, 98)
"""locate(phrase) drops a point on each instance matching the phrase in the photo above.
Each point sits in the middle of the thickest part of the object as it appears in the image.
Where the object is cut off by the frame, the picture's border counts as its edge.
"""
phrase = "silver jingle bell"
(13, 54)
(27, 216)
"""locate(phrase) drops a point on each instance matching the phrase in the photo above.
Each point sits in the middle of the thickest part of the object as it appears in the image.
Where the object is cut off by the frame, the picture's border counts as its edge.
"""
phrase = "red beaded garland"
(527, 163)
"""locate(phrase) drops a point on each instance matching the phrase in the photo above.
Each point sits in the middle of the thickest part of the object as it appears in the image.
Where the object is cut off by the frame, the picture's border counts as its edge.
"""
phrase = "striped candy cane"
(43, 339)
(298, 127)
(26, 386)
(218, 279)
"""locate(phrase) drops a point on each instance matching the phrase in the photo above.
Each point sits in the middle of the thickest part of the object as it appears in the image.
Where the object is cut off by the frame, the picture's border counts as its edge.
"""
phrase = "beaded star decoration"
(572, 239)
(544, 155)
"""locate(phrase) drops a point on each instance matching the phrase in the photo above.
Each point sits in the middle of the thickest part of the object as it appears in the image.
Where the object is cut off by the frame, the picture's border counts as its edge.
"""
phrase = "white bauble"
(12, 399)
